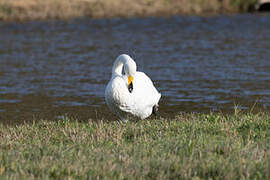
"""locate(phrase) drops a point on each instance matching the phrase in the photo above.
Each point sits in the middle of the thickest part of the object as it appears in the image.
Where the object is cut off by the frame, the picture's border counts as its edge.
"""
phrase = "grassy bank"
(189, 146)
(19, 10)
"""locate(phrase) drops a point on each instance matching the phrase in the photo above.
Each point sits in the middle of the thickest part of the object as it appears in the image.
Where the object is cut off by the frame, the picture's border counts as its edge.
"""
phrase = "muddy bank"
(23, 10)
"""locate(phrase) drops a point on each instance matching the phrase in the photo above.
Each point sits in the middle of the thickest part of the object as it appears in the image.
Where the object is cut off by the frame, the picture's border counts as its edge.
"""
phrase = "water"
(199, 64)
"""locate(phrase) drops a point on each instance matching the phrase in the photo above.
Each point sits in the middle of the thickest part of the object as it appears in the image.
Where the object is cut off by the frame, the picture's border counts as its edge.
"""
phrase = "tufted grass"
(190, 146)
(21, 10)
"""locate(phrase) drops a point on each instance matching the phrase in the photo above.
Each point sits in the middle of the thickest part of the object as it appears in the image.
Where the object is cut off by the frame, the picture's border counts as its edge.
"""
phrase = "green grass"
(4, 11)
(244, 5)
(190, 146)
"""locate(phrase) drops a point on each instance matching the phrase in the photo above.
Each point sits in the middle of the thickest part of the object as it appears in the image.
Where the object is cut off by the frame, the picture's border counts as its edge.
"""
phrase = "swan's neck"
(117, 67)
(126, 62)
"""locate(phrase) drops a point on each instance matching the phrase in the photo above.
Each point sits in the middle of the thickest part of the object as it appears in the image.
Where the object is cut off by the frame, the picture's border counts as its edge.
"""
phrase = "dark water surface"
(50, 69)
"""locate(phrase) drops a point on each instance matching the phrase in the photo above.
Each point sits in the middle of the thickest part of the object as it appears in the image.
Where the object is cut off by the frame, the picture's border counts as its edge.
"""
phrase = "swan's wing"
(145, 91)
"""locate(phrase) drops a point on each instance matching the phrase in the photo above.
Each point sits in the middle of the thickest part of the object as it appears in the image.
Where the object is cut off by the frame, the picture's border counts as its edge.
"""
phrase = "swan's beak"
(130, 84)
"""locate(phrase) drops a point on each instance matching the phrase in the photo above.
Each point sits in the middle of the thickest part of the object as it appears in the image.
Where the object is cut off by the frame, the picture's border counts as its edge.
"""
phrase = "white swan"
(131, 94)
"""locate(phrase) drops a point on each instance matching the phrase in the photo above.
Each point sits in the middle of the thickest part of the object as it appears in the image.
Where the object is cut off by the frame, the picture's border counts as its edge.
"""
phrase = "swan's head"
(130, 70)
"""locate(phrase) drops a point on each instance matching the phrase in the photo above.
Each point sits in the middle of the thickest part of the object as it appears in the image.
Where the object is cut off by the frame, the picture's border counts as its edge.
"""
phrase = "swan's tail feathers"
(155, 110)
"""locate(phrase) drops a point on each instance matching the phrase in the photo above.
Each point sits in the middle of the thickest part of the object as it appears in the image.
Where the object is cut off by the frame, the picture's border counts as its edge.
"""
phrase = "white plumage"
(131, 94)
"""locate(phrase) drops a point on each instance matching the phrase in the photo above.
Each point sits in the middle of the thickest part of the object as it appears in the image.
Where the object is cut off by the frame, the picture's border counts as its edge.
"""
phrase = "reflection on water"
(199, 64)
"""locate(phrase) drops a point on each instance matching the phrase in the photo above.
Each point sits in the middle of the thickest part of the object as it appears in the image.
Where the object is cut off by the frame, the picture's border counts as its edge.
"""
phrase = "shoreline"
(30, 10)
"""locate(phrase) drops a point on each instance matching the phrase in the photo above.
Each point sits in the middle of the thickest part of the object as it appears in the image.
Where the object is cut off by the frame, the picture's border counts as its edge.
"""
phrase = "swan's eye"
(130, 84)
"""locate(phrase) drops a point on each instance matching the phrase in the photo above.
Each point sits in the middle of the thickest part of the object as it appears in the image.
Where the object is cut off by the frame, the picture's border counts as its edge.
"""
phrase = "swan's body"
(131, 94)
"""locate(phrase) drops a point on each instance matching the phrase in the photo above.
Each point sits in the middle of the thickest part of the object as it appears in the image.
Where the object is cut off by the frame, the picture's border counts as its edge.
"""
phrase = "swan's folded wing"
(145, 89)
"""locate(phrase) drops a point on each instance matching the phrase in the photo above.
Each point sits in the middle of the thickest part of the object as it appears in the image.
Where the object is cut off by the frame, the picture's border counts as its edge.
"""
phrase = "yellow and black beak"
(130, 84)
